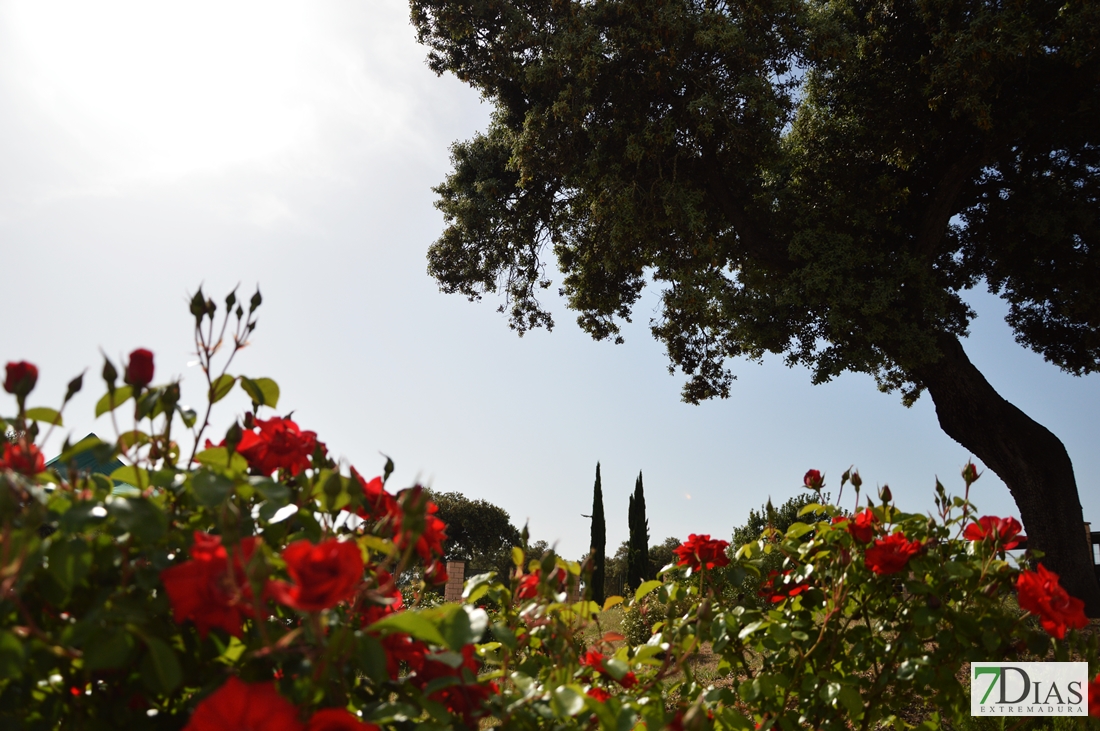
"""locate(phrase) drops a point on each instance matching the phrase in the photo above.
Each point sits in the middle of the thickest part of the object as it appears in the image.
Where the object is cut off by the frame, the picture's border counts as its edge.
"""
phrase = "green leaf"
(112, 401)
(567, 700)
(221, 387)
(461, 625)
(372, 658)
(415, 624)
(136, 476)
(645, 588)
(616, 668)
(219, 457)
(165, 665)
(811, 508)
(69, 562)
(273, 492)
(139, 517)
(797, 530)
(262, 391)
(211, 488)
(189, 416)
(750, 628)
(77, 518)
(12, 655)
(957, 569)
(41, 413)
(128, 439)
(108, 649)
(850, 699)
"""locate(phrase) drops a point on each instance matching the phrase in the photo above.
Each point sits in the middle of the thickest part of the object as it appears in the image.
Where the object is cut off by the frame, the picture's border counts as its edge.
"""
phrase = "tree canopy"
(821, 179)
(477, 531)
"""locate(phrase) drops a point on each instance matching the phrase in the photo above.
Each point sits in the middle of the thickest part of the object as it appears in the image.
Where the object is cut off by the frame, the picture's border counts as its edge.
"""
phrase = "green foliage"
(766, 525)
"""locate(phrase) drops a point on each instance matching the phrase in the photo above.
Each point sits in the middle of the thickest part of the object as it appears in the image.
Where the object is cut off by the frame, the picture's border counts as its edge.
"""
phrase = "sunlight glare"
(169, 88)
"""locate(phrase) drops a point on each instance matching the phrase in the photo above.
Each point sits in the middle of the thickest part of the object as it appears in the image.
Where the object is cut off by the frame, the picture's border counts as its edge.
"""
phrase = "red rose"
(594, 659)
(205, 591)
(401, 648)
(337, 719)
(139, 371)
(21, 378)
(778, 586)
(324, 574)
(1040, 593)
(813, 480)
(598, 693)
(279, 445)
(890, 555)
(377, 503)
(1002, 531)
(529, 584)
(970, 473)
(862, 525)
(239, 706)
(702, 552)
(1094, 696)
(24, 458)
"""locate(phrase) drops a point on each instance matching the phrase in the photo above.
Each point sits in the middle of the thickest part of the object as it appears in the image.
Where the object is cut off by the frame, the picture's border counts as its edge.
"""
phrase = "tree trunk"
(1027, 456)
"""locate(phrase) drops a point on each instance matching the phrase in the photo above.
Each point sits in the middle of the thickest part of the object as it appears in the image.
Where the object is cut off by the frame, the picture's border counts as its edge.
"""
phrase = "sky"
(148, 149)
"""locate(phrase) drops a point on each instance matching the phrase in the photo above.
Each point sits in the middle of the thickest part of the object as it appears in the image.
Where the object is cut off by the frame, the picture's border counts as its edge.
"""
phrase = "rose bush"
(252, 584)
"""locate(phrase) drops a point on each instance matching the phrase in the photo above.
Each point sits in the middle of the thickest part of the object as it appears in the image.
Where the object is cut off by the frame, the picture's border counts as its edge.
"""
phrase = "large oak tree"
(821, 178)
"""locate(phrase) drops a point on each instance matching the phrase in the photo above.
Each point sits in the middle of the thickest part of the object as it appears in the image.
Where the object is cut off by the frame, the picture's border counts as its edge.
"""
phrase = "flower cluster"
(1003, 532)
(891, 554)
(702, 552)
(259, 584)
(1040, 593)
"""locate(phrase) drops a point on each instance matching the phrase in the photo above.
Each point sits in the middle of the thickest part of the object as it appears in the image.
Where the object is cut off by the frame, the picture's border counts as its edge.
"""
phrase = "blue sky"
(149, 148)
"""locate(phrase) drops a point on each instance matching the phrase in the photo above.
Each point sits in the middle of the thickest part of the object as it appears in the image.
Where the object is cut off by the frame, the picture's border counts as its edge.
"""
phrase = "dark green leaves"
(108, 648)
(140, 517)
(69, 562)
(160, 667)
(12, 655)
(211, 488)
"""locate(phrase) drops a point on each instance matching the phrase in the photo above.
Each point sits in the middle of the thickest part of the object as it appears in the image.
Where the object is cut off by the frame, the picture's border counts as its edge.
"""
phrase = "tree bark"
(1032, 462)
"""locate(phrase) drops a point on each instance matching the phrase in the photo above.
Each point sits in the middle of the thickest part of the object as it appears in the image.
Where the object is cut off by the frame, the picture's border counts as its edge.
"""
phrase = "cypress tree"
(637, 565)
(599, 542)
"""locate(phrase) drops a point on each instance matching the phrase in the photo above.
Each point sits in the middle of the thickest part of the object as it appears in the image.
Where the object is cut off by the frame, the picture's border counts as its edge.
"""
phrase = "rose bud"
(139, 372)
(21, 378)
